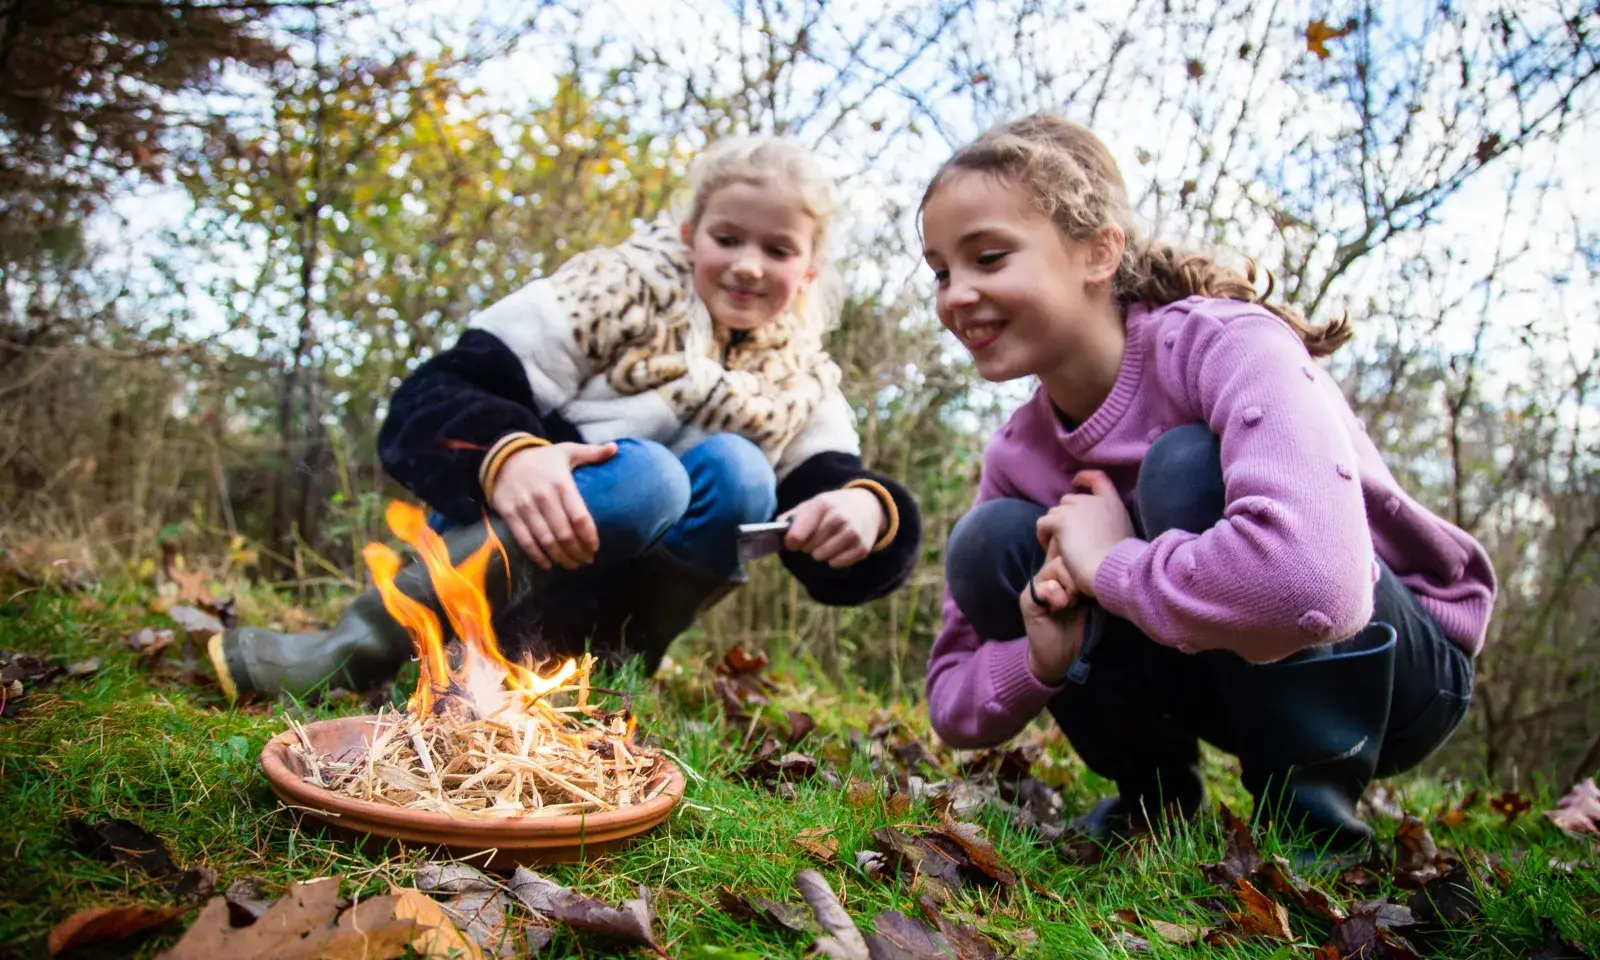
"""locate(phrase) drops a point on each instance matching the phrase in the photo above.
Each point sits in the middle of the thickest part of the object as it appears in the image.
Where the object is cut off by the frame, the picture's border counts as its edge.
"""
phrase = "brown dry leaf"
(897, 805)
(789, 767)
(843, 940)
(1457, 815)
(107, 924)
(933, 870)
(1262, 916)
(859, 793)
(900, 937)
(84, 668)
(1240, 856)
(1449, 899)
(969, 943)
(1180, 934)
(1368, 933)
(475, 903)
(192, 586)
(1318, 33)
(1510, 805)
(195, 884)
(1416, 855)
(786, 916)
(300, 926)
(800, 724)
(150, 644)
(122, 842)
(739, 660)
(819, 842)
(1277, 876)
(436, 937)
(1578, 812)
(1130, 943)
(980, 853)
(630, 922)
(1383, 801)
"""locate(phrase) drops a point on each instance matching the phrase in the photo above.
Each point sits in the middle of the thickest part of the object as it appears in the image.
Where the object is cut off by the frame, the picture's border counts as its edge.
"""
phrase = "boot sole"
(219, 664)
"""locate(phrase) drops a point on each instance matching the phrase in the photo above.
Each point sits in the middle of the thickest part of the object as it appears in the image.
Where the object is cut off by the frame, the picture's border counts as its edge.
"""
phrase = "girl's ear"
(686, 231)
(1105, 253)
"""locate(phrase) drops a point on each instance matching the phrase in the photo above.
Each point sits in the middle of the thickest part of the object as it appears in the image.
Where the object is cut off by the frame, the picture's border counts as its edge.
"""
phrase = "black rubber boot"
(1308, 732)
(367, 646)
(659, 598)
(1172, 790)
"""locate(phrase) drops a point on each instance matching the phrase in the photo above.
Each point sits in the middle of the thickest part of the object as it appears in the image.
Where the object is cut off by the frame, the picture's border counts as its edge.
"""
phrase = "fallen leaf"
(1130, 943)
(738, 660)
(1448, 900)
(149, 644)
(968, 941)
(84, 668)
(1457, 815)
(197, 623)
(1556, 947)
(1578, 812)
(897, 805)
(1240, 856)
(789, 767)
(1510, 805)
(300, 926)
(932, 869)
(629, 922)
(800, 724)
(979, 851)
(1364, 935)
(785, 916)
(819, 843)
(1277, 876)
(1382, 801)
(195, 884)
(122, 842)
(107, 924)
(859, 793)
(1080, 850)
(843, 940)
(32, 671)
(435, 938)
(1180, 934)
(1417, 856)
(1318, 33)
(246, 900)
(1262, 916)
(475, 903)
(899, 937)
(1387, 914)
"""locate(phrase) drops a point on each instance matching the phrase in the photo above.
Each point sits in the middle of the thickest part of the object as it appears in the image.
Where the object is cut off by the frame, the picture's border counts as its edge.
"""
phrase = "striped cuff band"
(889, 510)
(498, 454)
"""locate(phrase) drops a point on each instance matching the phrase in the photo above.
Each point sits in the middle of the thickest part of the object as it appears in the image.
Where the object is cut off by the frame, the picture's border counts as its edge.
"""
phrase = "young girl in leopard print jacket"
(622, 418)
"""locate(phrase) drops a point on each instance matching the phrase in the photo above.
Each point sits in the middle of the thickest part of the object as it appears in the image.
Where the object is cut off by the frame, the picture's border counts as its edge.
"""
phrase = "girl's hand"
(535, 494)
(838, 528)
(1085, 527)
(1054, 621)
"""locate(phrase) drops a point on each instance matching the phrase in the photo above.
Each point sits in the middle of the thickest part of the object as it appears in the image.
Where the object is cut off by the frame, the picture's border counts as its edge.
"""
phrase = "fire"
(485, 678)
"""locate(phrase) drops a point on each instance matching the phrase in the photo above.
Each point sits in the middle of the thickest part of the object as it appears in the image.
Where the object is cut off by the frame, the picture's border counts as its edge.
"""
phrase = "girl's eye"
(725, 240)
(941, 277)
(779, 253)
(991, 257)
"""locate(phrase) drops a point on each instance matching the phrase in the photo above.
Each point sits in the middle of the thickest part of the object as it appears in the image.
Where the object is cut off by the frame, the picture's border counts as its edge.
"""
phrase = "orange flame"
(485, 675)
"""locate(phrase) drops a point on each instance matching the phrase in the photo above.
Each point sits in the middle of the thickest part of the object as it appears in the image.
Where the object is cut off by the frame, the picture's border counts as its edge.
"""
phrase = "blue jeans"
(1144, 703)
(646, 496)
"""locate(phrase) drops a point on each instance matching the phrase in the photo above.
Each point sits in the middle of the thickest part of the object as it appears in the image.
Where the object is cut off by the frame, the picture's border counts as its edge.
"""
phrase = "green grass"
(176, 760)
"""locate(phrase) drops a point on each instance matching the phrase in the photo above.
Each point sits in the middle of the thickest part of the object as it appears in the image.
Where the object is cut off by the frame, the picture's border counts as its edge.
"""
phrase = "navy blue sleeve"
(447, 414)
(881, 572)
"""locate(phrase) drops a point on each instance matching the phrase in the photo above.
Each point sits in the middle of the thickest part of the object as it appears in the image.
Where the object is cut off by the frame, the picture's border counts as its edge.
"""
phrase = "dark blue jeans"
(1144, 704)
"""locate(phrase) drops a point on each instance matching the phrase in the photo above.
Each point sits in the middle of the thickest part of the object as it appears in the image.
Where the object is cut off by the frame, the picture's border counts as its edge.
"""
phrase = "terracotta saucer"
(497, 844)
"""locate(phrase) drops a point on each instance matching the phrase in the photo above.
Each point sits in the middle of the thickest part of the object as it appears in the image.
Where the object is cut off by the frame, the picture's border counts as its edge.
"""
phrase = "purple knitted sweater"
(1309, 504)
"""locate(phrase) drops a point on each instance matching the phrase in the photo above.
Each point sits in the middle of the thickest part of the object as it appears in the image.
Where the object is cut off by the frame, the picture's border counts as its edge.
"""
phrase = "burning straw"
(487, 739)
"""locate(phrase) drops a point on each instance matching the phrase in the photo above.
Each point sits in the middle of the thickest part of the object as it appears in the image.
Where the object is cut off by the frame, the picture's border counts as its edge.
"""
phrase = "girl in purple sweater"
(1186, 533)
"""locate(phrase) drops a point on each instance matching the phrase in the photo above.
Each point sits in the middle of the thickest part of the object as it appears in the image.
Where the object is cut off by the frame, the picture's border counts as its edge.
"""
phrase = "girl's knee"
(732, 478)
(650, 494)
(990, 548)
(1180, 482)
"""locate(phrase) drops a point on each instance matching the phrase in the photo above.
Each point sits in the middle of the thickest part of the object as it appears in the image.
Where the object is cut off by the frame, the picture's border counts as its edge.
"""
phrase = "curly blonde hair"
(1074, 181)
